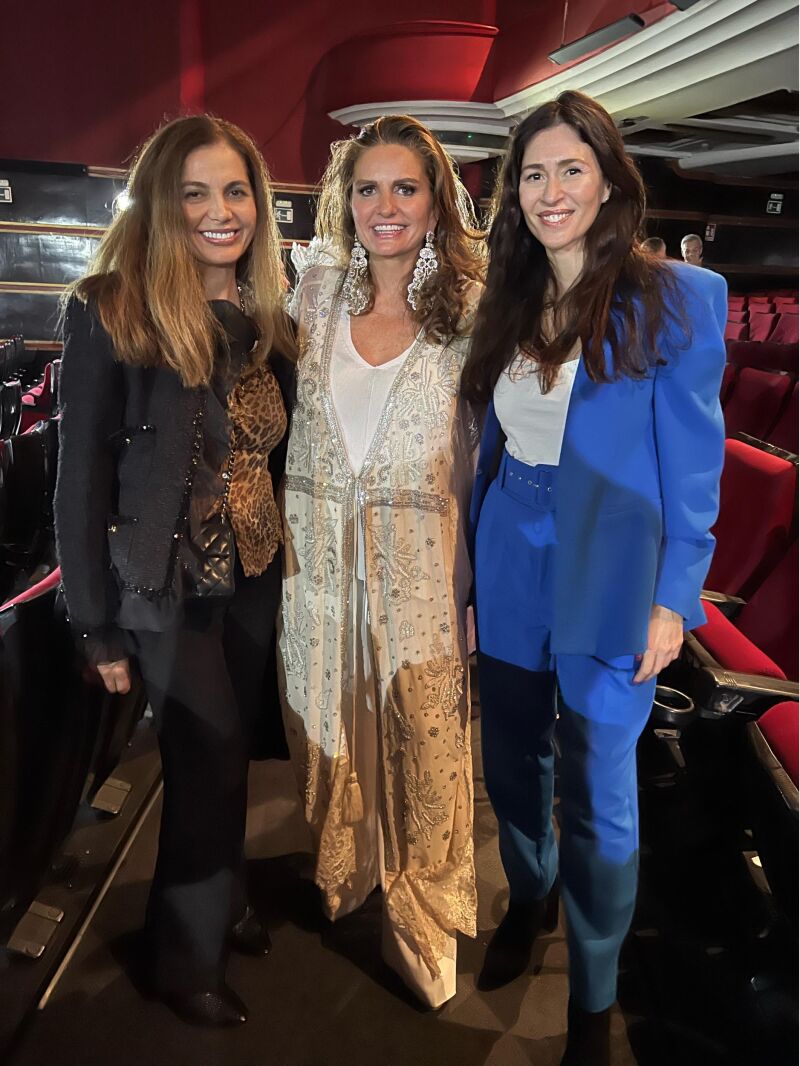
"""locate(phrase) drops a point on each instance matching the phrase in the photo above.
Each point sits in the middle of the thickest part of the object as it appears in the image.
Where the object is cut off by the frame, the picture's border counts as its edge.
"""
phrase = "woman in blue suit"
(596, 486)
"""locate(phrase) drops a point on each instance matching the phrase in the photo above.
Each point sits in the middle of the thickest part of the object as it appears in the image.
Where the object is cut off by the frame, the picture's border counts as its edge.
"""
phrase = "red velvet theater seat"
(731, 648)
(779, 727)
(762, 636)
(756, 402)
(763, 355)
(784, 434)
(746, 663)
(761, 325)
(729, 375)
(787, 330)
(737, 316)
(38, 403)
(735, 331)
(773, 801)
(757, 496)
(47, 583)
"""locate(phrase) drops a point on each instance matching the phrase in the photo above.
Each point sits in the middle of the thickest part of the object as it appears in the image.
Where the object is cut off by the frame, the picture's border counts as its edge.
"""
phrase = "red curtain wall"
(88, 82)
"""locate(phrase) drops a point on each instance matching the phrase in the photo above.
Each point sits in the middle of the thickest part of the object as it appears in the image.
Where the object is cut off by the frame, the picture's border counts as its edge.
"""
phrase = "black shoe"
(219, 1009)
(588, 1037)
(249, 936)
(508, 955)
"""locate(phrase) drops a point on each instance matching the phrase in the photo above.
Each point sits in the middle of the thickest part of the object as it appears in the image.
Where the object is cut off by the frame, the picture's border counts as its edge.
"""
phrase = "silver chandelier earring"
(355, 290)
(427, 265)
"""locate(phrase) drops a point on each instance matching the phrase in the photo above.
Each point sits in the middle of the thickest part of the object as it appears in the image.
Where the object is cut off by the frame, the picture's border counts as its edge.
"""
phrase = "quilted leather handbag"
(213, 547)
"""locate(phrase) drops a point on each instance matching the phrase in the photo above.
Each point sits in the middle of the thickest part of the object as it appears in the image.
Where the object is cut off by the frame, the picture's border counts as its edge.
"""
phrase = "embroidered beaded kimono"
(411, 499)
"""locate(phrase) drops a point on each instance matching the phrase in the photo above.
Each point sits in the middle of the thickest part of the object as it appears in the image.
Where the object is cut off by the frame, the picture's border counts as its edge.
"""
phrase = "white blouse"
(359, 392)
(532, 421)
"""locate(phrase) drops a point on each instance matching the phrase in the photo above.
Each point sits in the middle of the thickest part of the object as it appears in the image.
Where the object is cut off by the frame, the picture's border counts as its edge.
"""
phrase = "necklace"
(240, 291)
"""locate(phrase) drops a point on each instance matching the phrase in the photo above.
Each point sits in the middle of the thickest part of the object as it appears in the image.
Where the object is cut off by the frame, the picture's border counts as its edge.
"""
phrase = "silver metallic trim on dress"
(335, 493)
(422, 501)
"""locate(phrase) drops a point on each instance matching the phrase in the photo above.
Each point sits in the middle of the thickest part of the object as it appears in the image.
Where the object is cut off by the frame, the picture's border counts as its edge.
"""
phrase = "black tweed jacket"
(124, 475)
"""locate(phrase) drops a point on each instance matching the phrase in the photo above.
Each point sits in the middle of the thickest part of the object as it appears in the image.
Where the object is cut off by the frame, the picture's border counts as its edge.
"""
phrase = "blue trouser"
(601, 714)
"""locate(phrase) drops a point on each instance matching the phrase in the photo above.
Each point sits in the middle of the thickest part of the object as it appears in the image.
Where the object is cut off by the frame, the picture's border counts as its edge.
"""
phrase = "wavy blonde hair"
(444, 306)
(144, 279)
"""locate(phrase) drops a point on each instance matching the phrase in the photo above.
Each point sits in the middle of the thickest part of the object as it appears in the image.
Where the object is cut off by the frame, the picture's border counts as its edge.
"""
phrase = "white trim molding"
(442, 116)
(715, 54)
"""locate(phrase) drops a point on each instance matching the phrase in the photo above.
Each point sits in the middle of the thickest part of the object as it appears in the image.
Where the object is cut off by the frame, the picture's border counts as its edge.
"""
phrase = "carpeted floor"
(324, 998)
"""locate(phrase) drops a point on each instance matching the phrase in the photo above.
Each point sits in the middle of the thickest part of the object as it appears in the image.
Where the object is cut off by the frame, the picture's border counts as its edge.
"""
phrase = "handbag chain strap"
(228, 475)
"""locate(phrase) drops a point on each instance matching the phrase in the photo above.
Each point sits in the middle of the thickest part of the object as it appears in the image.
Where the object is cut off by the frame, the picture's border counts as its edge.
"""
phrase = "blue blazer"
(638, 485)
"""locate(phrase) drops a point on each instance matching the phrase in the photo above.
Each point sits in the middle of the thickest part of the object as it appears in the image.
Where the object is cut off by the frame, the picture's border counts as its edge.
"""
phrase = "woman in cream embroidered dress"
(377, 574)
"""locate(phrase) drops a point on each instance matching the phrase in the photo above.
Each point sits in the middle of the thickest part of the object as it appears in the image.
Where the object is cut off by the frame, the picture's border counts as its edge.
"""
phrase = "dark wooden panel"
(34, 315)
(58, 198)
(44, 257)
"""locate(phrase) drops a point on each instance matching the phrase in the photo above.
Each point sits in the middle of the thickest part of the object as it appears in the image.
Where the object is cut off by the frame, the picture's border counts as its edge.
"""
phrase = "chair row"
(772, 772)
(741, 667)
(756, 299)
(747, 651)
(61, 735)
(12, 357)
(762, 404)
(19, 363)
(763, 355)
(746, 676)
(28, 467)
(21, 409)
(783, 328)
(40, 402)
(742, 314)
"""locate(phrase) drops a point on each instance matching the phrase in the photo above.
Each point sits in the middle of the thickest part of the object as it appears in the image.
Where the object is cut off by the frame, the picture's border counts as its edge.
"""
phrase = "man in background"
(692, 249)
(656, 247)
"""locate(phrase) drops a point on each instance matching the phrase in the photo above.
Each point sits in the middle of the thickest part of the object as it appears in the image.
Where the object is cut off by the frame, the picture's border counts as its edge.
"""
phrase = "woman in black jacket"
(176, 388)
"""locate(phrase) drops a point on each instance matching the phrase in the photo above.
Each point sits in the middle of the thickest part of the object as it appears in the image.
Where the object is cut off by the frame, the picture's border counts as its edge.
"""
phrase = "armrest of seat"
(728, 605)
(784, 786)
(766, 446)
(719, 692)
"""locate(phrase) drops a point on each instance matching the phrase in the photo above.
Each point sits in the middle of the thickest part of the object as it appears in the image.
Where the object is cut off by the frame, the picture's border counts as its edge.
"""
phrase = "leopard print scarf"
(258, 423)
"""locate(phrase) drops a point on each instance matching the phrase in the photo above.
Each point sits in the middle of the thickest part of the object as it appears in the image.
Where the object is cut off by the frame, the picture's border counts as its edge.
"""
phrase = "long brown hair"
(144, 279)
(460, 246)
(623, 295)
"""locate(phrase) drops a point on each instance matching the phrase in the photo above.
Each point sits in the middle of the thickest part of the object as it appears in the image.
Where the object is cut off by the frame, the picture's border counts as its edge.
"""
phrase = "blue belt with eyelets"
(535, 486)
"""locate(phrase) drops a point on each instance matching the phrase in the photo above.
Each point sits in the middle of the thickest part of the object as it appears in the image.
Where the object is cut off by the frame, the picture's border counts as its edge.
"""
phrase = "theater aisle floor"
(324, 998)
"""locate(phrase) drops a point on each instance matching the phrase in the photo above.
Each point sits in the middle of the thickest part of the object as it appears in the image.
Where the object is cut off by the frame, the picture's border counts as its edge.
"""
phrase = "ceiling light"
(599, 39)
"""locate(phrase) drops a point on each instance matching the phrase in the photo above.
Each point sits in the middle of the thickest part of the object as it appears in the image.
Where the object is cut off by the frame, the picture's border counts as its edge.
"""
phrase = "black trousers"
(205, 682)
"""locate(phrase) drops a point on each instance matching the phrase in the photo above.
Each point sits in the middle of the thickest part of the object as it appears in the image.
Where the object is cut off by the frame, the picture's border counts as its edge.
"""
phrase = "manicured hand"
(116, 676)
(664, 641)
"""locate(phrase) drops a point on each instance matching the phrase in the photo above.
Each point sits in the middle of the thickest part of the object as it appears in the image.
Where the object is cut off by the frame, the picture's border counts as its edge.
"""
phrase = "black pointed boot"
(588, 1037)
(508, 955)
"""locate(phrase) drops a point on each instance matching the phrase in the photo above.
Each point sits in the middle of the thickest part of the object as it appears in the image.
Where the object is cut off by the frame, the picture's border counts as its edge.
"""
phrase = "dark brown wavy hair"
(144, 278)
(444, 305)
(624, 295)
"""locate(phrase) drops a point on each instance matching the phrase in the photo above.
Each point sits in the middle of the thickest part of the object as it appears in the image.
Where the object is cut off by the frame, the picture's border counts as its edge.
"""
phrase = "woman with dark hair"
(176, 385)
(596, 486)
(378, 475)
